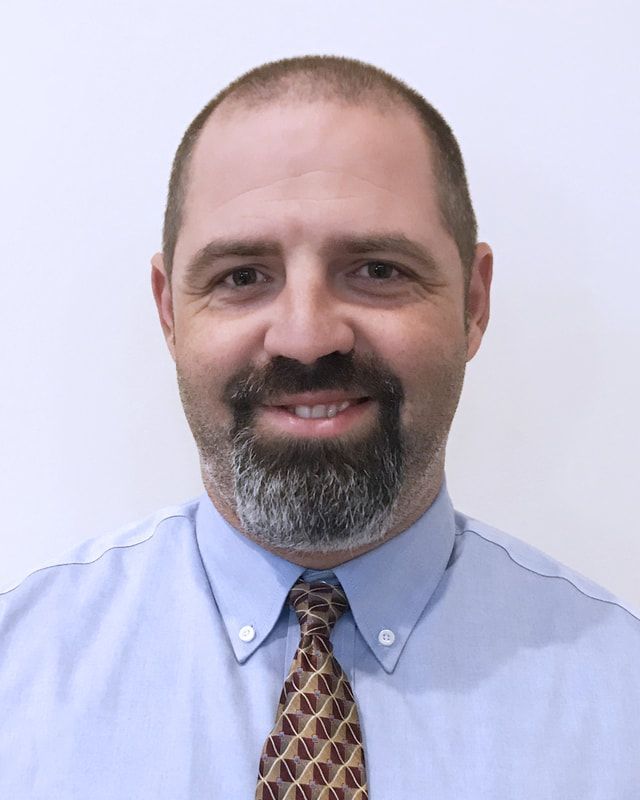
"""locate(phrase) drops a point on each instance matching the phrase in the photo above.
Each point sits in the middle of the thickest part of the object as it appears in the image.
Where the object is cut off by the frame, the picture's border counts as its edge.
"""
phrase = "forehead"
(308, 169)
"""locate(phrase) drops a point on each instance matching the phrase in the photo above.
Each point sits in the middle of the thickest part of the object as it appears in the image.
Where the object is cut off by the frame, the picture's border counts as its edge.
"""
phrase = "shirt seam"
(543, 575)
(88, 563)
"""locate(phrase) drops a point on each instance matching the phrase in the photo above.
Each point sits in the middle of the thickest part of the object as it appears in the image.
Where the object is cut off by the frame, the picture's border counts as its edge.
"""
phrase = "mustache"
(365, 375)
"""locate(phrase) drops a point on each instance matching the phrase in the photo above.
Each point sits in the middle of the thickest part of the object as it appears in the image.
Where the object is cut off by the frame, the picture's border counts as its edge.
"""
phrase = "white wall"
(544, 99)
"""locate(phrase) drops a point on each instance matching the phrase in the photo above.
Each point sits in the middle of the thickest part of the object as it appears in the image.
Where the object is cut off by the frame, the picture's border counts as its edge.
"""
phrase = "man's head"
(315, 253)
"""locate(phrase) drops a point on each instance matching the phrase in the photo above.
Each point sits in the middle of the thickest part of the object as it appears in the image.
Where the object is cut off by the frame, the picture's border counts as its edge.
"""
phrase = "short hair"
(349, 81)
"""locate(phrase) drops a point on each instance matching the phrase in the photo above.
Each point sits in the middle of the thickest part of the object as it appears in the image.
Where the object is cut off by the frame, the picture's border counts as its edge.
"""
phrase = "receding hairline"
(233, 107)
(309, 87)
(343, 81)
(379, 99)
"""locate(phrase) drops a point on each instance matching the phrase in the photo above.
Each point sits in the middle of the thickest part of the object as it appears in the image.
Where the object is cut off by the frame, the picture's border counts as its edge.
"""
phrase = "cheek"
(429, 363)
(210, 348)
(415, 347)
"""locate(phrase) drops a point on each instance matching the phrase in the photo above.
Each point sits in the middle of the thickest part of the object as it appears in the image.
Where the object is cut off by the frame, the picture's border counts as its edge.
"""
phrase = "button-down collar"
(388, 588)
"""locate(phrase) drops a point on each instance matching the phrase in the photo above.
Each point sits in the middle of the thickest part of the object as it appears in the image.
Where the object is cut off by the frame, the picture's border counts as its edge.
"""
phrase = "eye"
(380, 271)
(242, 276)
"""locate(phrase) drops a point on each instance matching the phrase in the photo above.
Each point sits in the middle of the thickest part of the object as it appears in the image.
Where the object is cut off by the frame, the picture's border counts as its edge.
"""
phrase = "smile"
(323, 411)
(323, 419)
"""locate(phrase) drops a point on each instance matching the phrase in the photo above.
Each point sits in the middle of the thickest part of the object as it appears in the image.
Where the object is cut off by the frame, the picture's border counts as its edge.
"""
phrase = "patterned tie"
(314, 751)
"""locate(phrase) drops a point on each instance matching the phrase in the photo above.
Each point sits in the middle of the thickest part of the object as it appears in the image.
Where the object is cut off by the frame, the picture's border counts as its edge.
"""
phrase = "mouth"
(322, 419)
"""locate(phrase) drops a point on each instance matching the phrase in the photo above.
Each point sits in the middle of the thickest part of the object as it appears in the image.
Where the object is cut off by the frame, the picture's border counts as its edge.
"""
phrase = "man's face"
(312, 269)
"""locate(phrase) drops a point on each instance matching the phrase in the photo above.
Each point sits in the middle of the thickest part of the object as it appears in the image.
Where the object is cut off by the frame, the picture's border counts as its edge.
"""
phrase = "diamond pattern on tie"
(314, 751)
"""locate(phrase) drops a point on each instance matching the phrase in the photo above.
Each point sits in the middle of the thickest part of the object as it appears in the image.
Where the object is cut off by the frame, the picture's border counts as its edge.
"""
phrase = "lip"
(325, 398)
(281, 419)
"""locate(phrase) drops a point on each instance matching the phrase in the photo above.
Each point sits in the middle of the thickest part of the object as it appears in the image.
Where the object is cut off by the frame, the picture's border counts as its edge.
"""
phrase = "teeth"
(320, 411)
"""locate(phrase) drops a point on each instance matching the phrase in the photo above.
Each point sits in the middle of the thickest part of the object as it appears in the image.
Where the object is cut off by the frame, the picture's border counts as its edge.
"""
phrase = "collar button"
(247, 633)
(386, 637)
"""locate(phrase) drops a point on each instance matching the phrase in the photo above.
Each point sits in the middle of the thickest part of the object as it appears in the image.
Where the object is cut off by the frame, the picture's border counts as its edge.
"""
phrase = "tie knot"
(318, 606)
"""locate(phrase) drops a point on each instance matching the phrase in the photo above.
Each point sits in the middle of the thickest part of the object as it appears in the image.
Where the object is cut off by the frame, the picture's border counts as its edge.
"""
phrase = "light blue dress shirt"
(148, 666)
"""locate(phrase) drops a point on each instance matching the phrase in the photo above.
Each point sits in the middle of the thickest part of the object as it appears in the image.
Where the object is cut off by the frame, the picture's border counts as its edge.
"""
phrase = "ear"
(161, 285)
(478, 296)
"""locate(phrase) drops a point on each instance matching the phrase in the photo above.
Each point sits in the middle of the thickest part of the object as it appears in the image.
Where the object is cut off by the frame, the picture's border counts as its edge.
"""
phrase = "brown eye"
(243, 276)
(379, 270)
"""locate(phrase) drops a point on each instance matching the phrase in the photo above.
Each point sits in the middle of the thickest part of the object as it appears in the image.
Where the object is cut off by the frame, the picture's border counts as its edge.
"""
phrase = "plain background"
(544, 99)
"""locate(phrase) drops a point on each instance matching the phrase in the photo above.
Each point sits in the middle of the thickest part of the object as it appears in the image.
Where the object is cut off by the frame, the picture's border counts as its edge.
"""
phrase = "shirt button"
(247, 633)
(386, 637)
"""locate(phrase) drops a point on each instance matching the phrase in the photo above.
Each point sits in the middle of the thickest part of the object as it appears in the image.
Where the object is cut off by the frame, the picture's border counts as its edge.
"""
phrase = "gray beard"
(317, 495)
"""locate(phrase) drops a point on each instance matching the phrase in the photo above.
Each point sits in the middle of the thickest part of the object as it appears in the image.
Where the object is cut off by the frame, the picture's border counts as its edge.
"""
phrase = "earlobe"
(478, 298)
(161, 286)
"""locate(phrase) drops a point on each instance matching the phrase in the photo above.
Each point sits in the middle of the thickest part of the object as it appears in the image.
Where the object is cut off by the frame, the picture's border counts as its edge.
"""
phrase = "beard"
(319, 494)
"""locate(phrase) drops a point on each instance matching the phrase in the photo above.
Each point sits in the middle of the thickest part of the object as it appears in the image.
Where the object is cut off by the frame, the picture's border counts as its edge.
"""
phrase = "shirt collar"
(387, 588)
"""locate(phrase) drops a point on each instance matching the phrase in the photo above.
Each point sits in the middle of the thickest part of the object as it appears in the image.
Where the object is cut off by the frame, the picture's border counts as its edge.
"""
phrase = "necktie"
(314, 751)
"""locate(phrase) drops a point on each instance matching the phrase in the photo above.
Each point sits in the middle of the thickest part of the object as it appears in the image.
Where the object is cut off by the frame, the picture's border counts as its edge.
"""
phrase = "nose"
(308, 319)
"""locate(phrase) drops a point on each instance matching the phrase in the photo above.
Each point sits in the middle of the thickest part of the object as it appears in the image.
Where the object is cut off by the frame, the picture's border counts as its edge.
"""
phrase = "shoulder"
(528, 576)
(103, 559)
(74, 624)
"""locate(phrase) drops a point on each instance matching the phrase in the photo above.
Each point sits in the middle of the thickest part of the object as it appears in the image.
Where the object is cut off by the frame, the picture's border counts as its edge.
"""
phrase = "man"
(320, 623)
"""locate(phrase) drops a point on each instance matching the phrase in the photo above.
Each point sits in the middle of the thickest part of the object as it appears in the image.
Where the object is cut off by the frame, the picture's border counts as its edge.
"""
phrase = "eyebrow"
(393, 242)
(386, 242)
(224, 248)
